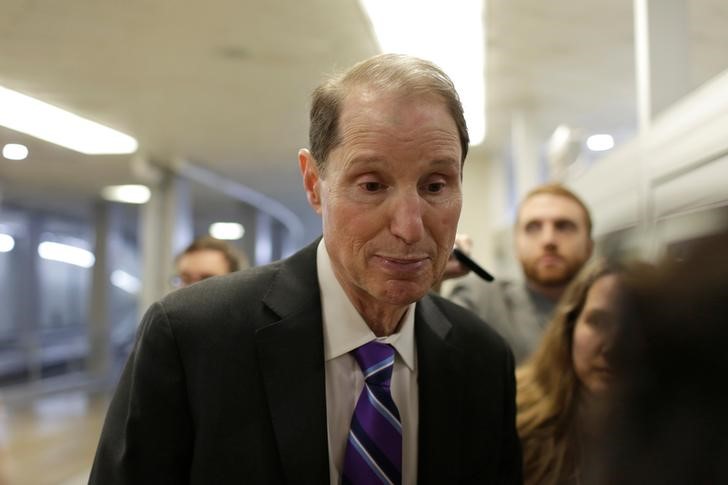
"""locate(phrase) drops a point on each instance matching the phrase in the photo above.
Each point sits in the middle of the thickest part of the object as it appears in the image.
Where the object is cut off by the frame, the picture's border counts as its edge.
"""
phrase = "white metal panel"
(704, 187)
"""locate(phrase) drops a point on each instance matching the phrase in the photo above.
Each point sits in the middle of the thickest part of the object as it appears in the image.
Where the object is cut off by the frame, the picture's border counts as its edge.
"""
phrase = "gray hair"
(388, 72)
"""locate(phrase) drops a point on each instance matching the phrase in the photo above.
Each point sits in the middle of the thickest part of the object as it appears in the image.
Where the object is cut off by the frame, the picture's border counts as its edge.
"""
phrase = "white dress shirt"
(344, 330)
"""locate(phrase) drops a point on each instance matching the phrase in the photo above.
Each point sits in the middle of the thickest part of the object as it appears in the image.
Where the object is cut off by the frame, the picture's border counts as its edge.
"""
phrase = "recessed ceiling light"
(7, 243)
(600, 143)
(42, 120)
(66, 253)
(127, 194)
(124, 281)
(227, 230)
(15, 151)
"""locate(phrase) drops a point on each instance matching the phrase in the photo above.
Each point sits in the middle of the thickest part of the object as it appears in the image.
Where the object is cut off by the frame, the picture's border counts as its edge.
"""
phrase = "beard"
(552, 275)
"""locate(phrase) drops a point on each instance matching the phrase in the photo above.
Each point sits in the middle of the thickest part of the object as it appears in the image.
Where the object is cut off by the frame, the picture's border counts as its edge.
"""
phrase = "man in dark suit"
(337, 364)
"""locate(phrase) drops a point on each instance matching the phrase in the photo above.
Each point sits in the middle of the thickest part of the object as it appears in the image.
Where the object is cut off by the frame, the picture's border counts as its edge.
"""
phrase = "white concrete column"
(247, 215)
(180, 206)
(289, 244)
(165, 229)
(263, 238)
(482, 191)
(661, 56)
(98, 362)
(27, 283)
(525, 148)
(662, 77)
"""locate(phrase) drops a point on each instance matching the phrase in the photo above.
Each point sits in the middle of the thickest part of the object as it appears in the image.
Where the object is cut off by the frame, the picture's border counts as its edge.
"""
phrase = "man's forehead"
(206, 254)
(550, 207)
(365, 95)
(402, 116)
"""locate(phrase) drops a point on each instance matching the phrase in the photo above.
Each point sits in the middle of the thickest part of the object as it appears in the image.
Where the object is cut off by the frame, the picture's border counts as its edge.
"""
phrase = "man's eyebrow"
(370, 160)
(445, 162)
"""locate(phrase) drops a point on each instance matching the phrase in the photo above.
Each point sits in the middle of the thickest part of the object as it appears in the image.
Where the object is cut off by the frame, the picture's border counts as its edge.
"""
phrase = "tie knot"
(376, 361)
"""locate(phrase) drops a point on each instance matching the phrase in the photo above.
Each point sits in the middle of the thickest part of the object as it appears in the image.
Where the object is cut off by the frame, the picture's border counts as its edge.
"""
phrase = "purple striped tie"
(374, 448)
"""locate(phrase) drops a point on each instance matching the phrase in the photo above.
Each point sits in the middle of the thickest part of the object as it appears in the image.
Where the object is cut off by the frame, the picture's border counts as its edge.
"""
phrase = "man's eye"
(565, 226)
(532, 227)
(435, 187)
(372, 186)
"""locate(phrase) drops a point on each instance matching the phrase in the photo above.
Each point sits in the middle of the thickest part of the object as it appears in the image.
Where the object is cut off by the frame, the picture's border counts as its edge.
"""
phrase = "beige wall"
(484, 217)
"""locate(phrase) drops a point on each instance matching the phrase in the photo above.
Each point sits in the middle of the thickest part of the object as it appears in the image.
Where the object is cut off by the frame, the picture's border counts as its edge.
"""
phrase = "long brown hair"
(548, 390)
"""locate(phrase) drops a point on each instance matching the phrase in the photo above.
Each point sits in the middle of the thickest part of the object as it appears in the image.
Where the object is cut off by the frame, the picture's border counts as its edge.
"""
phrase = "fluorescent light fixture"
(449, 33)
(42, 120)
(15, 151)
(65, 253)
(600, 143)
(128, 194)
(7, 243)
(227, 230)
(124, 281)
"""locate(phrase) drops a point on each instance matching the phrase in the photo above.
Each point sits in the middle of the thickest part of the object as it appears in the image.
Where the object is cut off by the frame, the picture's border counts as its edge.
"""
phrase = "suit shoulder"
(220, 297)
(224, 287)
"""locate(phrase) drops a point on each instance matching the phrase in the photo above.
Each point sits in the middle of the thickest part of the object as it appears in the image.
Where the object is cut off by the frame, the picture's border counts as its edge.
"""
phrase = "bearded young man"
(552, 242)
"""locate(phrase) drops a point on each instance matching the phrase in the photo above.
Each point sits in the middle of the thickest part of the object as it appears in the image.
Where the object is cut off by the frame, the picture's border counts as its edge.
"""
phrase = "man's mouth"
(550, 259)
(408, 264)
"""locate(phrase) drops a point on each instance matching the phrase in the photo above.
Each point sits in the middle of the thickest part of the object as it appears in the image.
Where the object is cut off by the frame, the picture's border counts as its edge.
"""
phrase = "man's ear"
(311, 178)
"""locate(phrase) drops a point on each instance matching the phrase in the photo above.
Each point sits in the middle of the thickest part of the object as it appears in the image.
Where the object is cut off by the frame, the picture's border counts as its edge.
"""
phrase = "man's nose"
(406, 217)
(548, 234)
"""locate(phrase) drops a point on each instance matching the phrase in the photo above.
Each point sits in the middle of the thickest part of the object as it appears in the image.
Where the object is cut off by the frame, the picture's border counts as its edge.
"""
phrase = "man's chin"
(552, 279)
(403, 292)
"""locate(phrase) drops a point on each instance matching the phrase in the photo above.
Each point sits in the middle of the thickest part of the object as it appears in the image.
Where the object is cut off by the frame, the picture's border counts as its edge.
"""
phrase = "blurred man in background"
(206, 257)
(552, 242)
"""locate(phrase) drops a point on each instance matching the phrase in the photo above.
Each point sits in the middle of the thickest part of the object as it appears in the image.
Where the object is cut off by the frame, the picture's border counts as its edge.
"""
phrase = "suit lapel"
(292, 367)
(441, 378)
(291, 359)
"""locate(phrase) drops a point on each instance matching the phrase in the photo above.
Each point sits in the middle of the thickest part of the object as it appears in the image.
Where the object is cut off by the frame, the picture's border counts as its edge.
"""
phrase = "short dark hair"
(561, 191)
(234, 258)
(389, 72)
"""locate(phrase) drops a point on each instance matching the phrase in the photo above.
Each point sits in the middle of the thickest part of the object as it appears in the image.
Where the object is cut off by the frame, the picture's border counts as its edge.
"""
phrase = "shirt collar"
(344, 328)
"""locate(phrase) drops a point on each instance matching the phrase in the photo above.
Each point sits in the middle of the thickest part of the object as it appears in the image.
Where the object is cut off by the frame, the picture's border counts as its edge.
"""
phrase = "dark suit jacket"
(226, 385)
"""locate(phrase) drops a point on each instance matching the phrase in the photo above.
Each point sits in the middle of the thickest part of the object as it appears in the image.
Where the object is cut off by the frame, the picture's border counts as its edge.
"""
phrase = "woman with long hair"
(565, 378)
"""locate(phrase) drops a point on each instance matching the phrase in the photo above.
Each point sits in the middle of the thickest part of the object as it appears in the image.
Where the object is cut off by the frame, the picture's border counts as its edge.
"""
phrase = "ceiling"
(225, 84)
